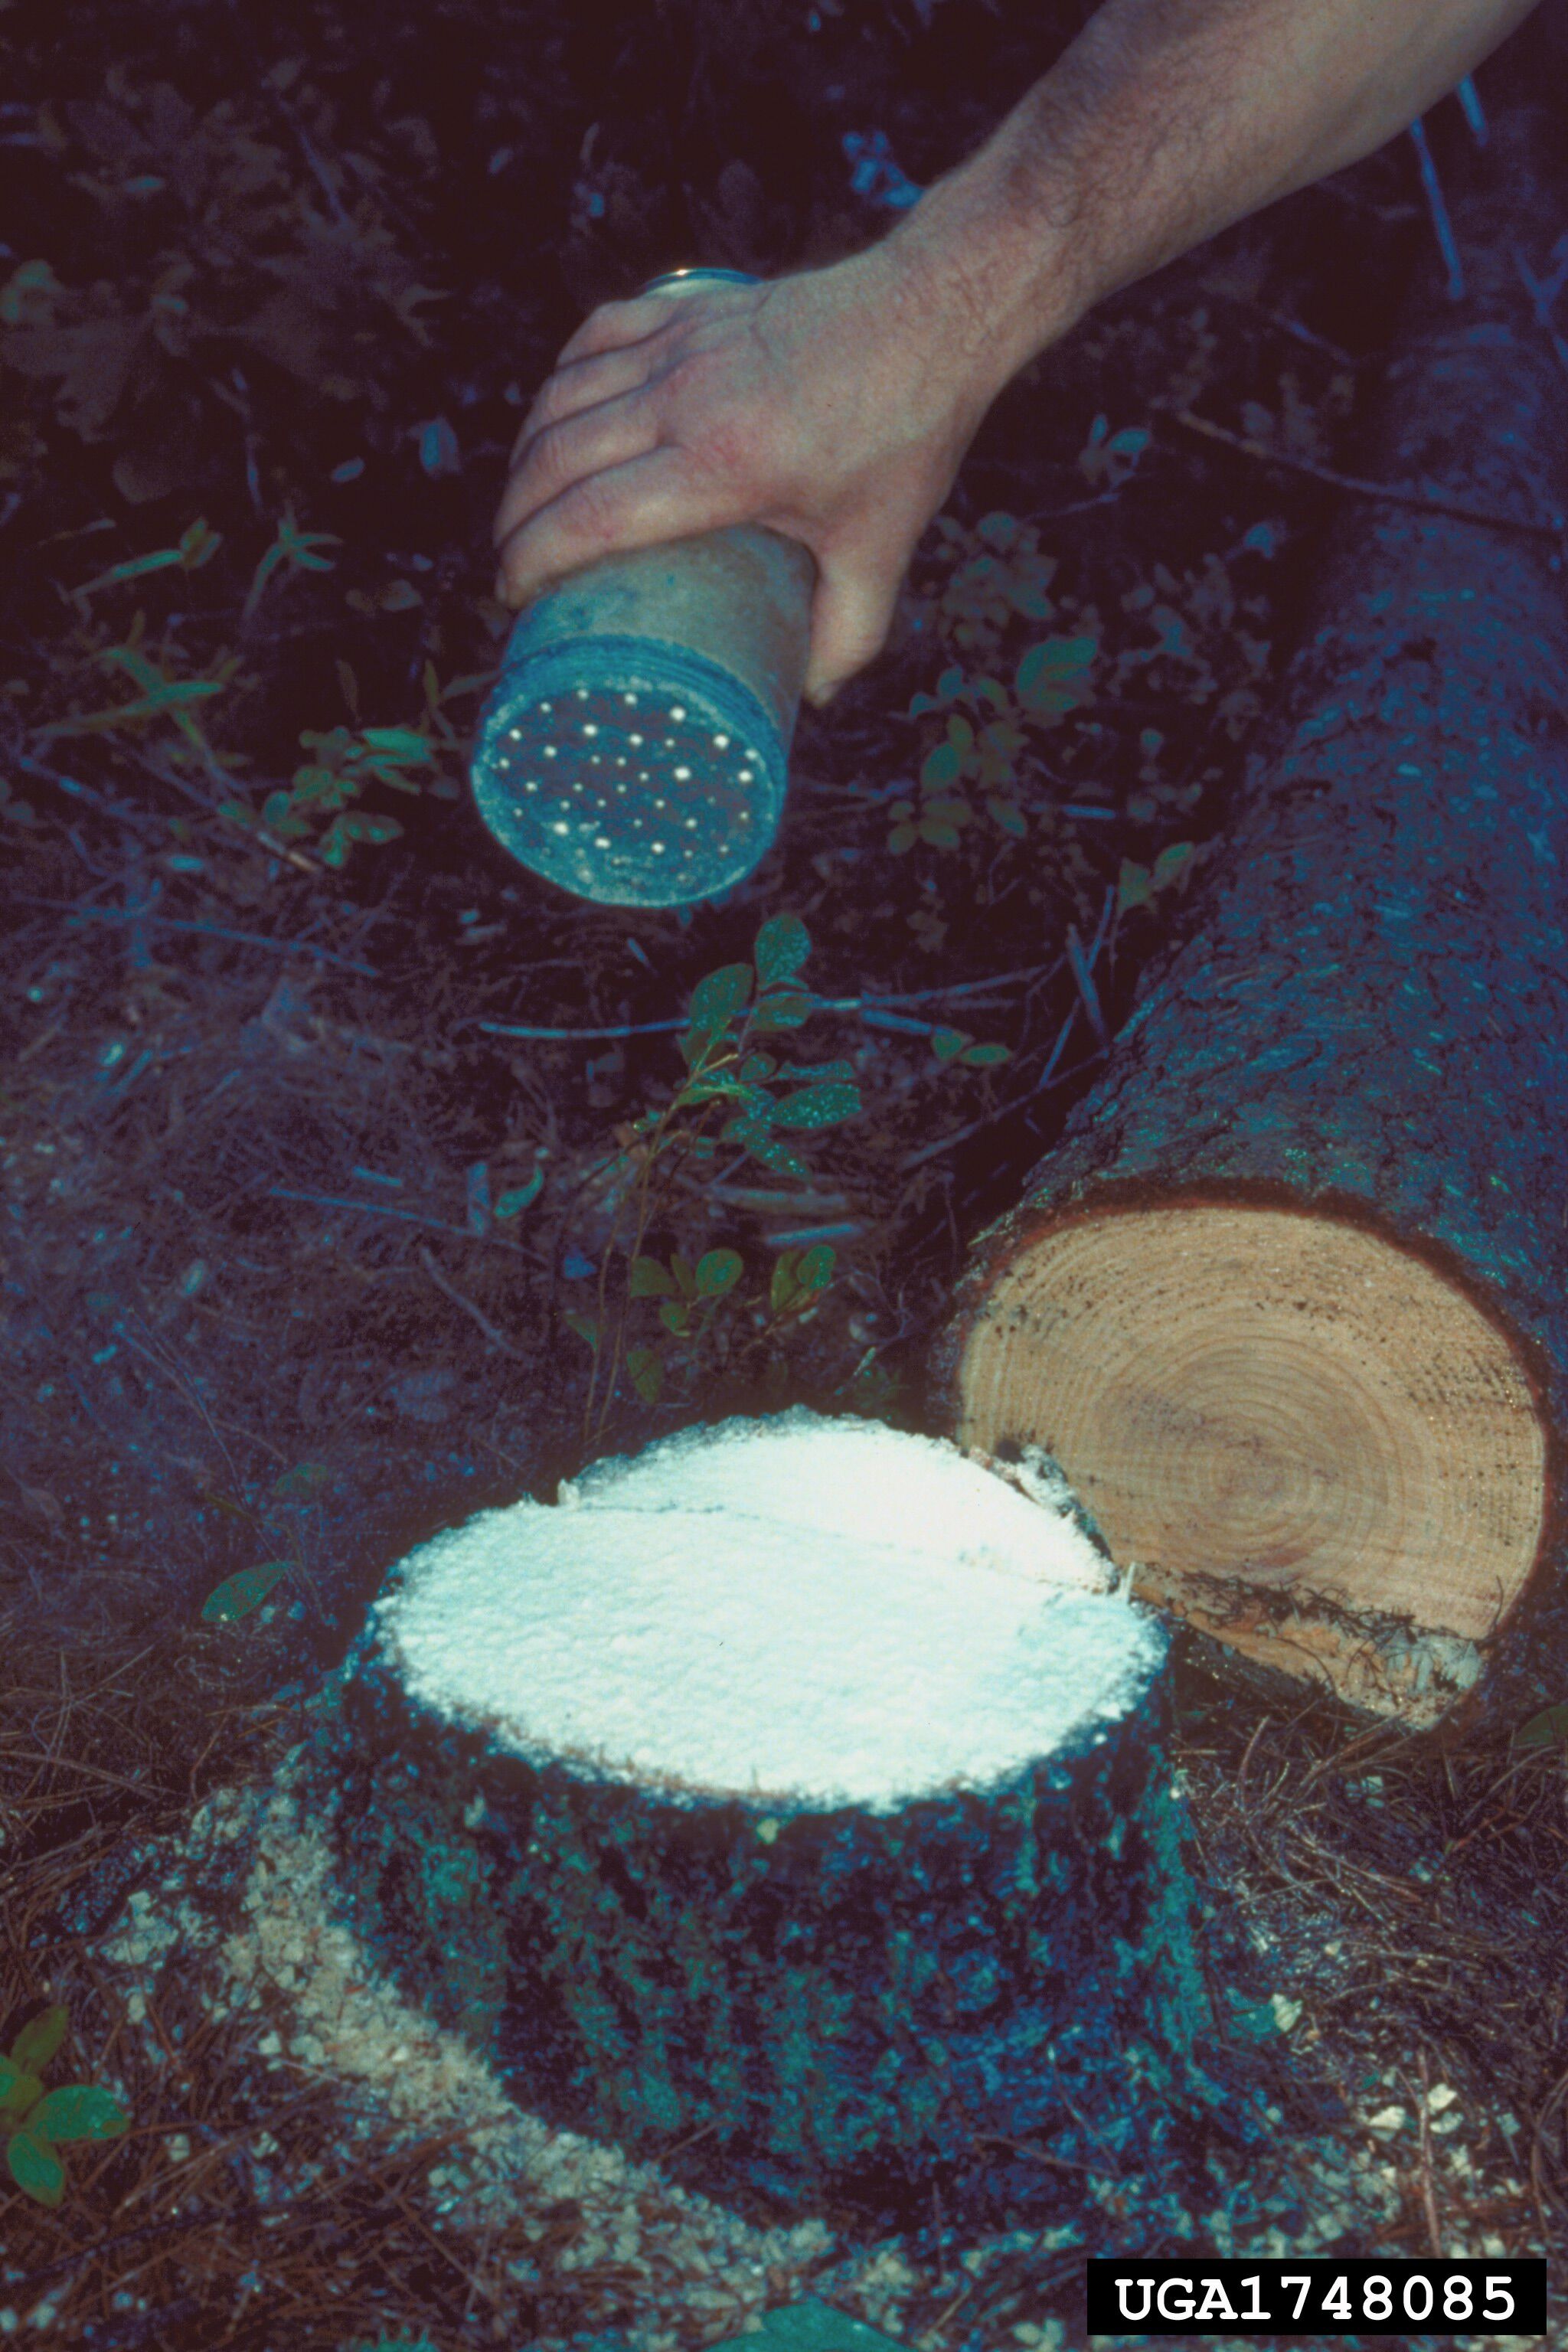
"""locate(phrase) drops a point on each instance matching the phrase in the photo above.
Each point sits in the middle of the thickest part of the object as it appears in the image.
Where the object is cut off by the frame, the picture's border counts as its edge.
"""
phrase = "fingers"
(614, 323)
(644, 502)
(582, 385)
(851, 614)
(608, 435)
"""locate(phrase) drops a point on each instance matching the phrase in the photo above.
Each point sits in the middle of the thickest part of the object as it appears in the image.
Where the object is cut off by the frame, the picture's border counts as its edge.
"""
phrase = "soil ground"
(299, 1252)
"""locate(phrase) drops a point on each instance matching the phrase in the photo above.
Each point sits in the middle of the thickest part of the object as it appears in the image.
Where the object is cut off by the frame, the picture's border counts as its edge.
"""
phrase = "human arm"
(835, 406)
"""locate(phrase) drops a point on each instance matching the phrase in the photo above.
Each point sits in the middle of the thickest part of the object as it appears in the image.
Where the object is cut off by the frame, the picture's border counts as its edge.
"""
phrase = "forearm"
(1162, 122)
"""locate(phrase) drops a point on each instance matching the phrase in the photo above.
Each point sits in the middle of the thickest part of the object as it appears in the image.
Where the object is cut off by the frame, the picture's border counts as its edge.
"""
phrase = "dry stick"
(1421, 499)
(477, 1315)
(1428, 2186)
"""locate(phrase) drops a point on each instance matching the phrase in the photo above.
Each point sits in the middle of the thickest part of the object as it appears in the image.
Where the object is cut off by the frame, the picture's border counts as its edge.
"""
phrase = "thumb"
(851, 614)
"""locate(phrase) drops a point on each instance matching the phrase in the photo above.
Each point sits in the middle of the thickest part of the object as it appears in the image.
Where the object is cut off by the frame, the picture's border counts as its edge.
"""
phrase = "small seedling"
(323, 788)
(758, 1104)
(38, 2122)
(1051, 680)
(294, 546)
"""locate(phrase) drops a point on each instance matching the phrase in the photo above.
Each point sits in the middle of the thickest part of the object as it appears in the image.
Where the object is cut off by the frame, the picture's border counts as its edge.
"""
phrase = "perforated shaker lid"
(634, 775)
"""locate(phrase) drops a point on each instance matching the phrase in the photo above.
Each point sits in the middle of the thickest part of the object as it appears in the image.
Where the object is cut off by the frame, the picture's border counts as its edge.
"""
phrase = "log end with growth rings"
(1299, 1436)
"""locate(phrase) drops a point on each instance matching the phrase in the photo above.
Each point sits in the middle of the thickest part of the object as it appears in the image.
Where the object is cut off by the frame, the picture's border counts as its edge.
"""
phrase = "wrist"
(989, 252)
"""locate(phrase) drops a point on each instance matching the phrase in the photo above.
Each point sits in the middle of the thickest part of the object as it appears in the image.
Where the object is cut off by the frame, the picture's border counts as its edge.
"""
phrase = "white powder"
(797, 1610)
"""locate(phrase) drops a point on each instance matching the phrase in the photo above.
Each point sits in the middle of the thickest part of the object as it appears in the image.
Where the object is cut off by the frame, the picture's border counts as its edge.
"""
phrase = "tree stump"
(1287, 1303)
(822, 1910)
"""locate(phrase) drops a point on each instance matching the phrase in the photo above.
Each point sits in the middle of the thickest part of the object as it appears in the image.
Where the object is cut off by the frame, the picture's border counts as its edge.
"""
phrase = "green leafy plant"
(322, 789)
(1108, 459)
(736, 1093)
(996, 573)
(293, 547)
(161, 695)
(956, 1046)
(1051, 678)
(39, 2123)
(196, 546)
(1172, 869)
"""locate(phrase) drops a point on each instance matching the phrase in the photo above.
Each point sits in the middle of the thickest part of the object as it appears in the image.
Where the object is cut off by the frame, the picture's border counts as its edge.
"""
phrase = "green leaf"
(237, 1595)
(991, 690)
(361, 826)
(521, 1196)
(998, 530)
(783, 1289)
(783, 945)
(22, 2092)
(785, 1011)
(718, 1270)
(403, 742)
(685, 1274)
(1135, 887)
(822, 1106)
(1009, 816)
(198, 545)
(776, 1155)
(1052, 677)
(942, 768)
(985, 1057)
(9, 2074)
(950, 683)
(948, 1044)
(34, 2167)
(647, 1371)
(1171, 863)
(811, 2326)
(303, 1484)
(38, 2040)
(757, 1069)
(675, 1316)
(584, 1324)
(709, 1087)
(716, 1000)
(77, 2111)
(813, 1270)
(649, 1279)
(904, 837)
(1547, 1730)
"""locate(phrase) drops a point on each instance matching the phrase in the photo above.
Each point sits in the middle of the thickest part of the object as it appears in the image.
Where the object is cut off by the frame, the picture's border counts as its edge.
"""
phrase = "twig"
(79, 914)
(1428, 2186)
(869, 1005)
(1086, 987)
(1542, 293)
(1447, 243)
(1421, 499)
(407, 1216)
(475, 1314)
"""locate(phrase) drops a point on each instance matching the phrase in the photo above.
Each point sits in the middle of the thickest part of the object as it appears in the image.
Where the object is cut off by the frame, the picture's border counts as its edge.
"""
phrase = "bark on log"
(1287, 1303)
(993, 1991)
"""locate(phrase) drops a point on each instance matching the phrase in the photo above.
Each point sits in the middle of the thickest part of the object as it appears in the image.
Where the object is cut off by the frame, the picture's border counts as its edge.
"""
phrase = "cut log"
(792, 1804)
(1287, 1303)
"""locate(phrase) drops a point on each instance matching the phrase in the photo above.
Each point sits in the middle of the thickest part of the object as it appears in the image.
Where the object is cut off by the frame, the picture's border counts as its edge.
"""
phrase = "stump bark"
(989, 1991)
(1287, 1303)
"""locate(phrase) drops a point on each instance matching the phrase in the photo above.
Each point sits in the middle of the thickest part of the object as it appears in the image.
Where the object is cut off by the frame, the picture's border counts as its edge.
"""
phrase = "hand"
(834, 406)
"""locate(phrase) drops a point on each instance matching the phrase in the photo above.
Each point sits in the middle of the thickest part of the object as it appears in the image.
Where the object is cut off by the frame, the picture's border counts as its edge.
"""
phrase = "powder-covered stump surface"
(792, 1803)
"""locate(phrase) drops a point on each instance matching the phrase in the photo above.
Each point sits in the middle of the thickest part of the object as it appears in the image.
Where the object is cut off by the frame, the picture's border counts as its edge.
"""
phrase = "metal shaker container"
(634, 746)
